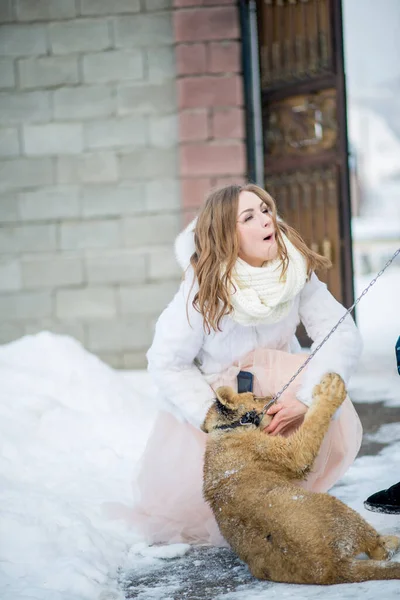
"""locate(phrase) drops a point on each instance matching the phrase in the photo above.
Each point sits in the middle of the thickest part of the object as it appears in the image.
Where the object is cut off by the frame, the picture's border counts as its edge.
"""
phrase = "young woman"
(248, 282)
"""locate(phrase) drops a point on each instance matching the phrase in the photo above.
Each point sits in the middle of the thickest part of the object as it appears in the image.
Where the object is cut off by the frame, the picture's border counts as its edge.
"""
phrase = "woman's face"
(256, 231)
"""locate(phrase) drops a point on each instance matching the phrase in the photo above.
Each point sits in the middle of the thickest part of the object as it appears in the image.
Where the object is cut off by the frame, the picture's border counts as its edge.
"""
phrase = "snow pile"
(71, 431)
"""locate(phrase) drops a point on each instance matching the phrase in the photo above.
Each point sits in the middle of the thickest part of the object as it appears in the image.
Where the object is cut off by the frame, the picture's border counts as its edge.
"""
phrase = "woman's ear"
(226, 396)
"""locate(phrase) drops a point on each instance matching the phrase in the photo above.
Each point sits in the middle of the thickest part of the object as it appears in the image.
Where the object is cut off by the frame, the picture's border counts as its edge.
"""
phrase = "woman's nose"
(265, 219)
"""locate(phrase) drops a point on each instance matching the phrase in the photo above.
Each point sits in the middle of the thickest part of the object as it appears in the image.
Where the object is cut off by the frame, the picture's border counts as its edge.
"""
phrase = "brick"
(9, 142)
(105, 7)
(163, 263)
(148, 163)
(134, 360)
(7, 77)
(164, 131)
(218, 2)
(83, 102)
(147, 99)
(188, 215)
(28, 238)
(50, 271)
(22, 40)
(202, 92)
(48, 71)
(113, 65)
(151, 298)
(52, 139)
(9, 208)
(224, 57)
(25, 172)
(153, 5)
(193, 125)
(201, 24)
(161, 64)
(86, 303)
(212, 159)
(144, 30)
(194, 191)
(113, 359)
(228, 123)
(87, 168)
(6, 12)
(24, 107)
(45, 10)
(117, 266)
(10, 332)
(10, 275)
(50, 204)
(104, 201)
(191, 59)
(74, 330)
(116, 133)
(187, 3)
(162, 194)
(25, 305)
(222, 181)
(149, 230)
(84, 35)
(130, 333)
(89, 234)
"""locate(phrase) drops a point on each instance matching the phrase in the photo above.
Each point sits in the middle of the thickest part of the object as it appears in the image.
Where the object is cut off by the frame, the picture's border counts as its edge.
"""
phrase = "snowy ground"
(72, 430)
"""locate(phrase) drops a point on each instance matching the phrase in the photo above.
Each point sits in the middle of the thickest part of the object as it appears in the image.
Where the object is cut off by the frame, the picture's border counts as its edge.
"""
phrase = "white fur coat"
(182, 357)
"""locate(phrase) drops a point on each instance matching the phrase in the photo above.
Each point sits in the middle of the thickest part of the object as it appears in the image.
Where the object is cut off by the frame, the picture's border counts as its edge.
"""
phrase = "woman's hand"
(288, 416)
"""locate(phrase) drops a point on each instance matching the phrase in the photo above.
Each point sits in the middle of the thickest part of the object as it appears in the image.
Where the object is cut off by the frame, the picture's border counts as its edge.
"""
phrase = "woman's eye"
(248, 218)
(266, 210)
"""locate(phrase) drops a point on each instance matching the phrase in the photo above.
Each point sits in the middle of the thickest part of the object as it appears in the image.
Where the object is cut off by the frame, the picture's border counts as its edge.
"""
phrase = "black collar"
(250, 418)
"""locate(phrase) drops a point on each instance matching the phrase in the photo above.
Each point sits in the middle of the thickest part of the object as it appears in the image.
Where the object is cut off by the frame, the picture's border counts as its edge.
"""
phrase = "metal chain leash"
(326, 338)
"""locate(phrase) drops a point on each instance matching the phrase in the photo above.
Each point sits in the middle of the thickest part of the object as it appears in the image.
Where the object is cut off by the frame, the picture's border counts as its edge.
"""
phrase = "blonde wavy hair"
(217, 243)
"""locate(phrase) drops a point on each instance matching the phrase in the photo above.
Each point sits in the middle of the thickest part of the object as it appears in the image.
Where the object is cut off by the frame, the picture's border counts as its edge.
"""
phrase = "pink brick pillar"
(210, 98)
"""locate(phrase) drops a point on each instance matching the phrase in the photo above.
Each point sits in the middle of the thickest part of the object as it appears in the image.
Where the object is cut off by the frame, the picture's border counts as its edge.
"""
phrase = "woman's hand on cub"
(287, 416)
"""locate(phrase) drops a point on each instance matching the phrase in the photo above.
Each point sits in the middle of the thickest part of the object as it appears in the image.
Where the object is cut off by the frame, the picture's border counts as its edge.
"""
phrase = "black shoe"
(385, 501)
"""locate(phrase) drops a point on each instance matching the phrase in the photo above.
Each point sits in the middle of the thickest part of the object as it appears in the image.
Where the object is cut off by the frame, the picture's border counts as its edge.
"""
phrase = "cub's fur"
(283, 532)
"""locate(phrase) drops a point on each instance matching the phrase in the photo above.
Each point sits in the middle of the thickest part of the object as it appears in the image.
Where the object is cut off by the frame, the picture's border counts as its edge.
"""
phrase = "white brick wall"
(115, 65)
(53, 139)
(48, 71)
(89, 187)
(7, 76)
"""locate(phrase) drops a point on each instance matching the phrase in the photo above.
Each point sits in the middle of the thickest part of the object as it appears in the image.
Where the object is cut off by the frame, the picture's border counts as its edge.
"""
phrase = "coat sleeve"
(319, 312)
(177, 341)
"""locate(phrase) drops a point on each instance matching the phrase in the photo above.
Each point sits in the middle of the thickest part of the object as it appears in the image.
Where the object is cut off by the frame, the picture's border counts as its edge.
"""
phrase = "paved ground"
(373, 416)
(209, 573)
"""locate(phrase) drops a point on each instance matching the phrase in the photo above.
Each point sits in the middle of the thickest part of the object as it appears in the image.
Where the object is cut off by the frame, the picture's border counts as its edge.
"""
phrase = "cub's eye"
(222, 409)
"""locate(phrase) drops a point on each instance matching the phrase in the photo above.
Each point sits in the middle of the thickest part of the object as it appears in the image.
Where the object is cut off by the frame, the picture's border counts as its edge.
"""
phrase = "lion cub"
(283, 532)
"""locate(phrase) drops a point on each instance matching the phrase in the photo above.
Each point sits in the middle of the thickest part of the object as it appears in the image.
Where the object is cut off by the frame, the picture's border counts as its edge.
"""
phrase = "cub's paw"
(391, 543)
(331, 389)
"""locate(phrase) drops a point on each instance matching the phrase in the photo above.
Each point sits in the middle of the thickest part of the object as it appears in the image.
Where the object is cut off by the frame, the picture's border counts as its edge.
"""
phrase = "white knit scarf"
(260, 296)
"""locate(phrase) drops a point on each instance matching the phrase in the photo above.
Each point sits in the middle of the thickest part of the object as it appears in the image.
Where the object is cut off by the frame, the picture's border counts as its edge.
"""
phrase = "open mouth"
(269, 237)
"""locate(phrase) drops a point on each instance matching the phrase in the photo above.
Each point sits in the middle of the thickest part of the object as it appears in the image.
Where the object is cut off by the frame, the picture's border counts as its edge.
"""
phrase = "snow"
(170, 551)
(71, 431)
(70, 434)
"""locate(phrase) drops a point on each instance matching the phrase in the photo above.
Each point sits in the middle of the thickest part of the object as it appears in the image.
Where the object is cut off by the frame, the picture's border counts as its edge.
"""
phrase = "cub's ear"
(226, 395)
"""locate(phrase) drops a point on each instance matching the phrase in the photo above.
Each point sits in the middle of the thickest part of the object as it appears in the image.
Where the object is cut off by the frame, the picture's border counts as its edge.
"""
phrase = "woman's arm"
(319, 312)
(175, 346)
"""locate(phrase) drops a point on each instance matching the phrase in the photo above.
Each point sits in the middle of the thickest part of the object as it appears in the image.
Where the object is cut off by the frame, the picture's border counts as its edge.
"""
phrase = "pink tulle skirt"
(170, 507)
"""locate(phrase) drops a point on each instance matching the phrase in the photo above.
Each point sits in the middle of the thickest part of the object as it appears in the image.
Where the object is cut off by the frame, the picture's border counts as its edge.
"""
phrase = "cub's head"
(229, 407)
